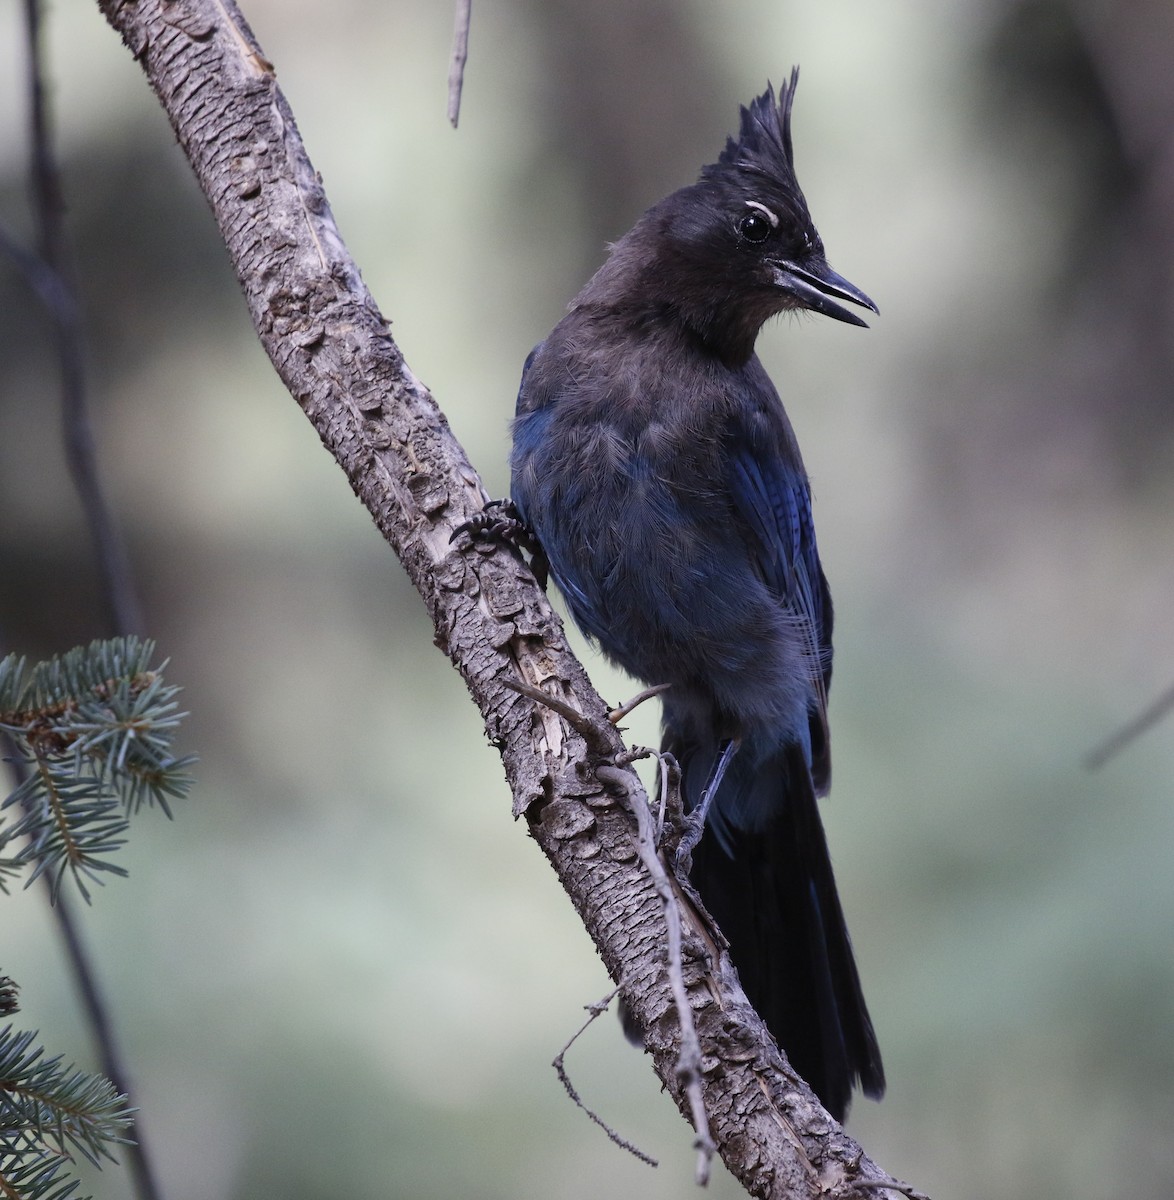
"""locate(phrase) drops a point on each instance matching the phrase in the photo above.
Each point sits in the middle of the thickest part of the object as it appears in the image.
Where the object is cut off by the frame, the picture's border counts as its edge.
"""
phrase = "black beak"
(815, 284)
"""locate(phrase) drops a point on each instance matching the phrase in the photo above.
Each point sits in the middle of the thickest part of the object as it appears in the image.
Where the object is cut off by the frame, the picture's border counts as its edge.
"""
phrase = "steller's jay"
(654, 463)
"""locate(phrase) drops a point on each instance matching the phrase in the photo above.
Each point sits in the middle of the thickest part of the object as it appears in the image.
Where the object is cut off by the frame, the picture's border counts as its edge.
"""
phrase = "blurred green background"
(343, 970)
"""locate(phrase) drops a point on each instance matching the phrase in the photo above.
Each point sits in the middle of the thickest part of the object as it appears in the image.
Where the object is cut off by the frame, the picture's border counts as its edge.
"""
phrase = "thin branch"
(618, 714)
(647, 847)
(689, 1059)
(670, 806)
(591, 732)
(53, 285)
(56, 292)
(877, 1185)
(460, 55)
(595, 1010)
(1144, 721)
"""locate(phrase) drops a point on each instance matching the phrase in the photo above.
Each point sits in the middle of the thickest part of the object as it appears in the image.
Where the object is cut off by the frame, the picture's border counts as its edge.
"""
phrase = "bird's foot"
(693, 823)
(499, 522)
(692, 827)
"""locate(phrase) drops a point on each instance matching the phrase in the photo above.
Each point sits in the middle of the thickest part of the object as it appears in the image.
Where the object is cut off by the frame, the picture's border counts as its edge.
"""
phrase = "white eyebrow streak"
(774, 221)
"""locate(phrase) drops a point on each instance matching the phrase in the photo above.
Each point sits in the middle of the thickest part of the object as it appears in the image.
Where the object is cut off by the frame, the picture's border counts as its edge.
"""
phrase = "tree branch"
(330, 345)
(53, 285)
(460, 55)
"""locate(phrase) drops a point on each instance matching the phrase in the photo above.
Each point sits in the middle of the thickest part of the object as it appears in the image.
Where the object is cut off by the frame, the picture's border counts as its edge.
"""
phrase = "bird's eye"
(754, 227)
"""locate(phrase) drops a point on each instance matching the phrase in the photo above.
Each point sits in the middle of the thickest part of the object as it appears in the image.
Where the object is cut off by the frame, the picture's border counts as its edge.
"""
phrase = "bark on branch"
(331, 346)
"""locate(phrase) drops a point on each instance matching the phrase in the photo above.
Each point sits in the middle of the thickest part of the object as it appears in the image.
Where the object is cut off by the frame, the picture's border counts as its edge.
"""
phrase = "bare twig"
(595, 1010)
(844, 1191)
(617, 779)
(595, 737)
(689, 1060)
(58, 295)
(670, 805)
(618, 714)
(1132, 730)
(460, 54)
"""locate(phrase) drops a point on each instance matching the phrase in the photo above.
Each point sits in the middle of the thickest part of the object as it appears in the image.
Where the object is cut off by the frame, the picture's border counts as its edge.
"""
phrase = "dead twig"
(670, 805)
(460, 55)
(595, 737)
(613, 775)
(1145, 720)
(689, 1059)
(596, 1009)
(618, 714)
(875, 1185)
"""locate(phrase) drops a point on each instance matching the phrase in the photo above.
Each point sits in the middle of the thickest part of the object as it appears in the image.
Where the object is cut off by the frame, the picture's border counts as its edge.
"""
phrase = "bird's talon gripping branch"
(500, 523)
(692, 827)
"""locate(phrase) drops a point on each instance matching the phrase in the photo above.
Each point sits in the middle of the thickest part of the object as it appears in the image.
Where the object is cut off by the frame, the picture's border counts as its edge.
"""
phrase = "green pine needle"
(49, 1114)
(92, 732)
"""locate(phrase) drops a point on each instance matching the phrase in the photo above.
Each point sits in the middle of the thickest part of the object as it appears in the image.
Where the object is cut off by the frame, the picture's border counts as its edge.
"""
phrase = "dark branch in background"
(330, 345)
(61, 301)
(1144, 721)
(49, 275)
(460, 54)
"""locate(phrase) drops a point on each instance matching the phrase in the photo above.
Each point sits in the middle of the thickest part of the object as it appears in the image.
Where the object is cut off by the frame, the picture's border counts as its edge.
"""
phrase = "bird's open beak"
(814, 286)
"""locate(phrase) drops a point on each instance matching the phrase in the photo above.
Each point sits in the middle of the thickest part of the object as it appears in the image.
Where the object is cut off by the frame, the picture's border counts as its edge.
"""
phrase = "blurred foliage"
(351, 975)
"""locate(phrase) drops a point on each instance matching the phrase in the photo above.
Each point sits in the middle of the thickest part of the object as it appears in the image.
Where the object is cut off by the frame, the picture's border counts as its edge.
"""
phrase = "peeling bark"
(331, 347)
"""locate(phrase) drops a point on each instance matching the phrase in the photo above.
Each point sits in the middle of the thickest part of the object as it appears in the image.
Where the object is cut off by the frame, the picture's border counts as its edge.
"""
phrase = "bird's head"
(738, 246)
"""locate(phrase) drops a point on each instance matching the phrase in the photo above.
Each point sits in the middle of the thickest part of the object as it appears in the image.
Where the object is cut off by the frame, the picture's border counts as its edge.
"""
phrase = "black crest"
(763, 144)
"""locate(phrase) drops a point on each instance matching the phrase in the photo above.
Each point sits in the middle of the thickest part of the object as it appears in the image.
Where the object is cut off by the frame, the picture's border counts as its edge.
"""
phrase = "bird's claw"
(498, 523)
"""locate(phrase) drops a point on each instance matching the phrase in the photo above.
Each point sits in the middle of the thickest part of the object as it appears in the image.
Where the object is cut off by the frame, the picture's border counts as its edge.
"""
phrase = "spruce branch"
(92, 730)
(26, 1174)
(8, 994)
(50, 1114)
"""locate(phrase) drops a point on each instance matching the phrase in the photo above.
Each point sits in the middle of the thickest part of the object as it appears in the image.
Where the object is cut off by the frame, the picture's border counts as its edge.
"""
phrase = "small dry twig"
(618, 714)
(689, 1060)
(460, 55)
(613, 775)
(875, 1185)
(671, 806)
(596, 1009)
(1144, 720)
(595, 738)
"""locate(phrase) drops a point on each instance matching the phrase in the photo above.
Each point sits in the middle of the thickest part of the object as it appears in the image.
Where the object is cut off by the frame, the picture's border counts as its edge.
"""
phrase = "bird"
(654, 465)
